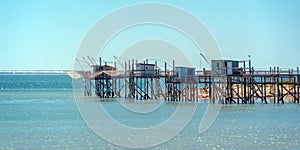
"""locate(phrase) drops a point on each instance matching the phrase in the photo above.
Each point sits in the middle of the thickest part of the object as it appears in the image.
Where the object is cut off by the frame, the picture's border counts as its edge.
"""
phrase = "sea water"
(38, 111)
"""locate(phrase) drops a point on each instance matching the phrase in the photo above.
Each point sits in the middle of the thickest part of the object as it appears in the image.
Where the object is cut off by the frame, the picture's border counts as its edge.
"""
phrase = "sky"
(45, 35)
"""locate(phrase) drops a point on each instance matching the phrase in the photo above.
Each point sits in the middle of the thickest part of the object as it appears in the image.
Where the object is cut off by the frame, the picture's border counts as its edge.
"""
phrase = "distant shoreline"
(32, 72)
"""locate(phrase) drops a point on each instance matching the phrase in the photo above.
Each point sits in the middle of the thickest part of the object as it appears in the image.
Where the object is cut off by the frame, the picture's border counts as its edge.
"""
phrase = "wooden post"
(114, 79)
(265, 90)
(298, 84)
(167, 87)
(239, 90)
(209, 86)
(133, 78)
(152, 88)
(84, 84)
(125, 83)
(245, 89)
(90, 90)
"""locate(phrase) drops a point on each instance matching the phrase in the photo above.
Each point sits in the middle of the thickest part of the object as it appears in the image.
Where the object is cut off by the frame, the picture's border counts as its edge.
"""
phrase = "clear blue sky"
(46, 34)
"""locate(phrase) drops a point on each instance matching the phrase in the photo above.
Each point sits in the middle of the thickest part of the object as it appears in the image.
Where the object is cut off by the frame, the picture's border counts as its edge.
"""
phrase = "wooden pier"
(146, 81)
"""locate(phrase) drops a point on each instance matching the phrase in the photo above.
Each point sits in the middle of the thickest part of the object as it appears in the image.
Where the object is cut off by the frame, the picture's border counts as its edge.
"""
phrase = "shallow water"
(41, 113)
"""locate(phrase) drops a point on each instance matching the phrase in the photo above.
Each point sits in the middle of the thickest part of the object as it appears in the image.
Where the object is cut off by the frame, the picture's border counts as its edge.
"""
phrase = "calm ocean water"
(39, 112)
